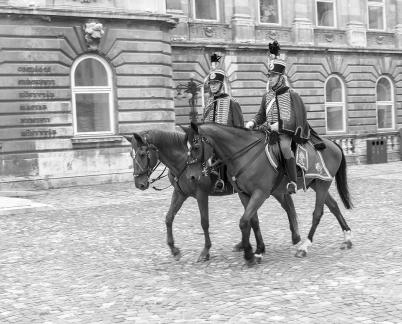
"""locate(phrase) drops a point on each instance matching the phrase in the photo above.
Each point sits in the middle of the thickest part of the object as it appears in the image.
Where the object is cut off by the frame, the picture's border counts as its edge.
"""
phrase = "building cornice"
(103, 13)
(285, 48)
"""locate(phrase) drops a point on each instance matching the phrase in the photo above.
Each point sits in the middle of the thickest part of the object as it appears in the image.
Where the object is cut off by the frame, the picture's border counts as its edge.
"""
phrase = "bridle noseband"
(148, 169)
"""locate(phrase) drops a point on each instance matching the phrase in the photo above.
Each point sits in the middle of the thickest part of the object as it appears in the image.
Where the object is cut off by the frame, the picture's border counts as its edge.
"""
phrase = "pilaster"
(242, 24)
(356, 34)
(302, 27)
(355, 29)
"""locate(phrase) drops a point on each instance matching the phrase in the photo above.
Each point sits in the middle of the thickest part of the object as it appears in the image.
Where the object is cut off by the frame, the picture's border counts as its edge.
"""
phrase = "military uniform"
(223, 109)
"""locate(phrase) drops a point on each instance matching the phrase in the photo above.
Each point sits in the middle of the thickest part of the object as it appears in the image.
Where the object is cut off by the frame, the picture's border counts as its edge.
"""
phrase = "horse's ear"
(138, 139)
(128, 138)
(194, 127)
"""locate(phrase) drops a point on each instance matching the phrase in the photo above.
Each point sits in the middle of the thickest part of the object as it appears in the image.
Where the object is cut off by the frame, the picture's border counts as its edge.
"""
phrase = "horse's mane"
(241, 129)
(225, 126)
(166, 137)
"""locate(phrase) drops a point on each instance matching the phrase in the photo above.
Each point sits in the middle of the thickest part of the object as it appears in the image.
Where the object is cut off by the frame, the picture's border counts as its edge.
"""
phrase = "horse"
(170, 148)
(256, 179)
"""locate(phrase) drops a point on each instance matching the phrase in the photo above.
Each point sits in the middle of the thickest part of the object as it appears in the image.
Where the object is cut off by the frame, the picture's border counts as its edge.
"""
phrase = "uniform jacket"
(223, 109)
(290, 114)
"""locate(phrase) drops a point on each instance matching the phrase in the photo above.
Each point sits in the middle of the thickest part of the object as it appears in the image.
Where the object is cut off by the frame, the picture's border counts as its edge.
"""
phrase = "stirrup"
(291, 187)
(219, 186)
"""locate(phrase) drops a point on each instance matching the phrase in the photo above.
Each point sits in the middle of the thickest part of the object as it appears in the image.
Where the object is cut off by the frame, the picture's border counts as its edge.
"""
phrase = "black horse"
(171, 149)
(242, 151)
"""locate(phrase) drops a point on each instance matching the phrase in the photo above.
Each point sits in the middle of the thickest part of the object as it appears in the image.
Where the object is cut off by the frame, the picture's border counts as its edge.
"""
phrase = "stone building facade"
(77, 74)
(344, 57)
(74, 77)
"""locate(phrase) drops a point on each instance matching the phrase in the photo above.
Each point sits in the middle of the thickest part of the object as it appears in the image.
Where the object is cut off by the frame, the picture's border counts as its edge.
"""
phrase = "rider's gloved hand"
(250, 124)
(274, 127)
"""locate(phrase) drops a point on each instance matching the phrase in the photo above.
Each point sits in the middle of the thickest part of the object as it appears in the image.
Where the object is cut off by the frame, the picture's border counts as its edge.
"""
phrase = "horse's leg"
(176, 202)
(333, 207)
(202, 200)
(321, 191)
(255, 225)
(287, 204)
(255, 202)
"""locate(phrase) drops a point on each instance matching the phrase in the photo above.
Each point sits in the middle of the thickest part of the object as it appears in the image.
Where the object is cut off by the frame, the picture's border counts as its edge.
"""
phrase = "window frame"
(385, 103)
(334, 10)
(217, 4)
(109, 89)
(279, 14)
(376, 4)
(335, 104)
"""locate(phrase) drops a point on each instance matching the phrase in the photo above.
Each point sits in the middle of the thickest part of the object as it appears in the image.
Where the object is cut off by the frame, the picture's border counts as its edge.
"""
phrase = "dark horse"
(242, 151)
(171, 149)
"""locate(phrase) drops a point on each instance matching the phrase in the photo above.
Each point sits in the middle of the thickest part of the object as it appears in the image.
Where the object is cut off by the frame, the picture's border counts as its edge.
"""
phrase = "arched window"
(92, 96)
(385, 103)
(335, 105)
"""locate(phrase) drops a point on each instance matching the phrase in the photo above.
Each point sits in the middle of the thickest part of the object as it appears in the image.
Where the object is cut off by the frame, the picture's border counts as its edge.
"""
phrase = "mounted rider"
(283, 111)
(220, 106)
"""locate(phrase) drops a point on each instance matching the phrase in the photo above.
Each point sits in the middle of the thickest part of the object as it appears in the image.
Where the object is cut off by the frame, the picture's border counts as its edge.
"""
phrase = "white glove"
(275, 126)
(250, 124)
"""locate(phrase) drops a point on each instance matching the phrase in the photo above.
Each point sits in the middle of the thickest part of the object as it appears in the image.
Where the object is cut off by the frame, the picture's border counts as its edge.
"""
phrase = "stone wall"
(37, 140)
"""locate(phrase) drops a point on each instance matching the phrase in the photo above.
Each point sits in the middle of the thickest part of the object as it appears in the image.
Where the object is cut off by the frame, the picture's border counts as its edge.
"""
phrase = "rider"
(283, 111)
(221, 108)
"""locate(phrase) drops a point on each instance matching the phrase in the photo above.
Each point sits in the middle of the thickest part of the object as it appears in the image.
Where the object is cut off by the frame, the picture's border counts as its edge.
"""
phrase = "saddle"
(309, 161)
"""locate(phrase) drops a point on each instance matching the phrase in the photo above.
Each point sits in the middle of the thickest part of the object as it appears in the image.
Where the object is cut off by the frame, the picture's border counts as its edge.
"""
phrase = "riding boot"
(292, 175)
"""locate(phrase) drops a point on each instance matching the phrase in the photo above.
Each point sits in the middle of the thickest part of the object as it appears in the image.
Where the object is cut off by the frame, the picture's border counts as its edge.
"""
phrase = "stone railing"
(356, 146)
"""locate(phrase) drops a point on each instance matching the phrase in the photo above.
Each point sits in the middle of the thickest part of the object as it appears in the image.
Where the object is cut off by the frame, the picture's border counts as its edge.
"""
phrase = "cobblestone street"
(98, 254)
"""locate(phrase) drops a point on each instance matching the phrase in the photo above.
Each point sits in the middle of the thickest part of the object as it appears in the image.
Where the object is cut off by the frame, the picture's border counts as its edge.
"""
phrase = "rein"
(236, 155)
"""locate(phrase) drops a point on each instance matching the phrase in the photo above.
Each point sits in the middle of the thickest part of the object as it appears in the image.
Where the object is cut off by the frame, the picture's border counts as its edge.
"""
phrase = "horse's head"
(199, 155)
(145, 159)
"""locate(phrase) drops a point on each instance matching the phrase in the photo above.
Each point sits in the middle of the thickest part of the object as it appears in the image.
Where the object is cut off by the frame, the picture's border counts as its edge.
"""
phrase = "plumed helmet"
(275, 64)
(216, 75)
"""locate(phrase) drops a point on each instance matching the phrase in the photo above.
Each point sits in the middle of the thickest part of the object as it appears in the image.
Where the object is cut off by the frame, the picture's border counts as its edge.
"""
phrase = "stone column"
(398, 27)
(302, 27)
(355, 29)
(242, 24)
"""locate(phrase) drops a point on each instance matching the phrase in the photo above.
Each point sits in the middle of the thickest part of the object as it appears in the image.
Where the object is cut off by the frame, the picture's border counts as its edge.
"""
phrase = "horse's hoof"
(203, 258)
(176, 254)
(346, 245)
(258, 257)
(238, 248)
(300, 254)
(252, 262)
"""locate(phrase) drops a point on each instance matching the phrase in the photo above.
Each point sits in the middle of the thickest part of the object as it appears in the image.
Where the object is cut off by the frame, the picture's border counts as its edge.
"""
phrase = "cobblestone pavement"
(98, 255)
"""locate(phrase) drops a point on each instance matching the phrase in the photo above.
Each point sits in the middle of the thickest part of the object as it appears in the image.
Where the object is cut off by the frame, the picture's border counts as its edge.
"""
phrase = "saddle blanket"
(307, 158)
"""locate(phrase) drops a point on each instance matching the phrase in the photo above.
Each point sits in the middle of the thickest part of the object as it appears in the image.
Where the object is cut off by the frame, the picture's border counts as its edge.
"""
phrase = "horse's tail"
(342, 182)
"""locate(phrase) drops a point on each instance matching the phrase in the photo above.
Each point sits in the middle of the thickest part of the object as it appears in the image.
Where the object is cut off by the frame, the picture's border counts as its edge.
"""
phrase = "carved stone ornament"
(93, 34)
(272, 35)
(208, 31)
(329, 37)
(379, 39)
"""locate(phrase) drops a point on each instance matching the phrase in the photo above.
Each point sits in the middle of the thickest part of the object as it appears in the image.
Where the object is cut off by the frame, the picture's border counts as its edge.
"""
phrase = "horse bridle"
(148, 169)
(205, 167)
